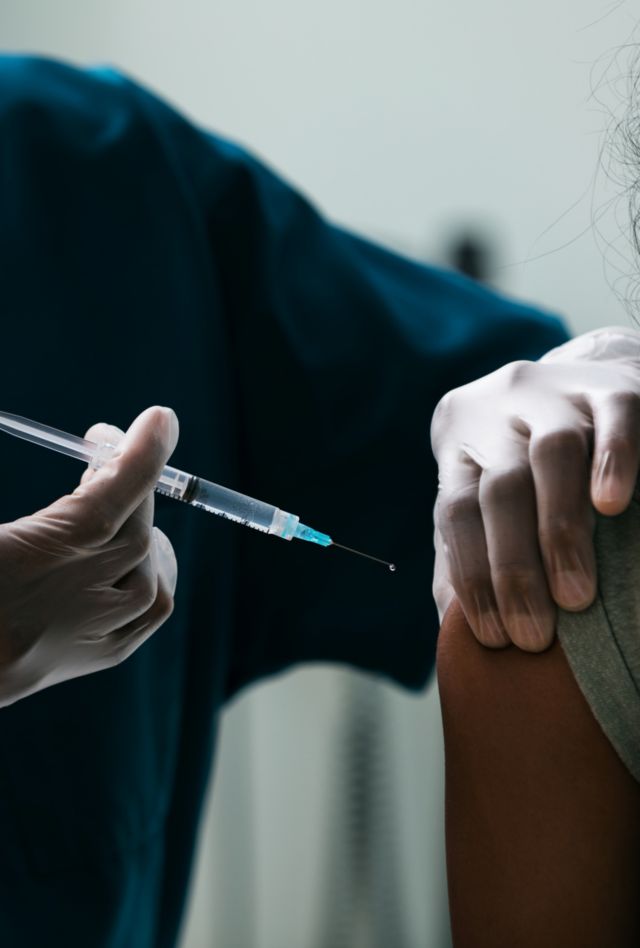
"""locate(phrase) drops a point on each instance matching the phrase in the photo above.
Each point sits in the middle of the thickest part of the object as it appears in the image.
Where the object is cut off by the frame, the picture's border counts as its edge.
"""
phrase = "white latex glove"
(85, 581)
(523, 455)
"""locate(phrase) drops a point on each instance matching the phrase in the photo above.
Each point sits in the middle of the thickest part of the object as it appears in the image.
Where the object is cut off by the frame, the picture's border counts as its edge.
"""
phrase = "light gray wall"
(400, 118)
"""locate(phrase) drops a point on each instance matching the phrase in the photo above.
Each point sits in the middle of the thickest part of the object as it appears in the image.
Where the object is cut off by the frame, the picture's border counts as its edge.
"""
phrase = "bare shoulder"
(523, 713)
(542, 816)
(509, 680)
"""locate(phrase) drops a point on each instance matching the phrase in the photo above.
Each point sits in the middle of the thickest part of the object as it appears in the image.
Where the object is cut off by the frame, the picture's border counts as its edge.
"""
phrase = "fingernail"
(529, 627)
(606, 482)
(574, 587)
(173, 427)
(492, 630)
(489, 623)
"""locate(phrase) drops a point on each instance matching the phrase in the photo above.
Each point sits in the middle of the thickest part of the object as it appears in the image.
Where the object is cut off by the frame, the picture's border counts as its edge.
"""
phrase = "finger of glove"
(464, 547)
(120, 606)
(129, 548)
(100, 433)
(131, 635)
(560, 466)
(167, 562)
(104, 502)
(441, 588)
(507, 500)
(616, 454)
(132, 545)
(134, 539)
(138, 588)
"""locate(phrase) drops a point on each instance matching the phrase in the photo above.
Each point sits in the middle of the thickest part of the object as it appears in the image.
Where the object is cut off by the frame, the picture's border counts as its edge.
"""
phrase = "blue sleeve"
(341, 351)
(313, 357)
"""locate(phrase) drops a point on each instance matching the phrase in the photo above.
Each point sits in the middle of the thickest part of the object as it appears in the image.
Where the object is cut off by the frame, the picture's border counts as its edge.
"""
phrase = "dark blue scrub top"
(144, 261)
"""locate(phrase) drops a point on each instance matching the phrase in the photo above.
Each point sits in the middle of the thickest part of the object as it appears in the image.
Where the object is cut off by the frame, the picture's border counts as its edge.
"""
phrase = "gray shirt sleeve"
(603, 644)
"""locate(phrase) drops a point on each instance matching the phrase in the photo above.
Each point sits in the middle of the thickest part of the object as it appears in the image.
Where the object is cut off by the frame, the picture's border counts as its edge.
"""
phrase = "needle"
(392, 566)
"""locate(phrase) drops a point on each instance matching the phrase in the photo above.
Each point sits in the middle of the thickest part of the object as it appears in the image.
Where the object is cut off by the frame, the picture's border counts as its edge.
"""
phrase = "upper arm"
(543, 818)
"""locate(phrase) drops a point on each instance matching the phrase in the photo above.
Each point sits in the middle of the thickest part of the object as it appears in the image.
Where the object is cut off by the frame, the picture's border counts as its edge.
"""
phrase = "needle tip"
(392, 566)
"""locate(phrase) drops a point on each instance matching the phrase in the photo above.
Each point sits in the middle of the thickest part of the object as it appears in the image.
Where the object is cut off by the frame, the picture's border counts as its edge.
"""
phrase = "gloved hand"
(85, 581)
(523, 455)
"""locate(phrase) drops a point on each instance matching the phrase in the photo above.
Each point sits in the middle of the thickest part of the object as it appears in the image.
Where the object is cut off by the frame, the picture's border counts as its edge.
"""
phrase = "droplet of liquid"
(392, 567)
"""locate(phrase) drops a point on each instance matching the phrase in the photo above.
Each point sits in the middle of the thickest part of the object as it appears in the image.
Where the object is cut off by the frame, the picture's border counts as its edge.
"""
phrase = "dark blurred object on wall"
(473, 253)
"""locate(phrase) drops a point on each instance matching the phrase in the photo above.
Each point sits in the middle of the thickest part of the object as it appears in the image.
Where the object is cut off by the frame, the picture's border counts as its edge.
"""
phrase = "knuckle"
(559, 531)
(501, 485)
(444, 404)
(440, 415)
(567, 441)
(164, 604)
(164, 543)
(456, 507)
(626, 402)
(518, 372)
(146, 592)
(469, 572)
(515, 578)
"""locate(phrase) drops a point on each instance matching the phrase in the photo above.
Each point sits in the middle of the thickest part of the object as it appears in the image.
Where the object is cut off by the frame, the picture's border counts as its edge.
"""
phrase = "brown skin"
(542, 818)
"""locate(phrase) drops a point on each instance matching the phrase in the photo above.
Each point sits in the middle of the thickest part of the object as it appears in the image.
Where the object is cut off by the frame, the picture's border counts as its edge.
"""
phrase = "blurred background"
(465, 134)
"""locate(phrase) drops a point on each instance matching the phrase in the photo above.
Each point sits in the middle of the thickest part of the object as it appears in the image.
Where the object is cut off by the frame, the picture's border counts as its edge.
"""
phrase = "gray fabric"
(603, 643)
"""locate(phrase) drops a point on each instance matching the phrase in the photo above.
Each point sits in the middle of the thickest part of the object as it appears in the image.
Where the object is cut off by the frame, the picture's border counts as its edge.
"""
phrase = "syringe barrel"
(228, 503)
(216, 499)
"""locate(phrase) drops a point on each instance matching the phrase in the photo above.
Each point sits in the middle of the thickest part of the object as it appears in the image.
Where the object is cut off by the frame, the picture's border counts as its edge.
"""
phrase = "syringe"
(179, 485)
